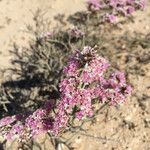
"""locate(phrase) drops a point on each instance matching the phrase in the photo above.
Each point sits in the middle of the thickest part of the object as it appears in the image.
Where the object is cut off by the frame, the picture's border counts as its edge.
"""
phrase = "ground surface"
(127, 127)
(17, 14)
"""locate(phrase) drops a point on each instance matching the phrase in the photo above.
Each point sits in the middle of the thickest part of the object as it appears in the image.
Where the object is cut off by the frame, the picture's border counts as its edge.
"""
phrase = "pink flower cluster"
(26, 126)
(116, 7)
(84, 83)
(76, 32)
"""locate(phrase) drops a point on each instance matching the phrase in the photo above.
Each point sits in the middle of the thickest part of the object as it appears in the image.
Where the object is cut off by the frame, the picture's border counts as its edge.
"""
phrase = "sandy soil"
(17, 14)
(126, 128)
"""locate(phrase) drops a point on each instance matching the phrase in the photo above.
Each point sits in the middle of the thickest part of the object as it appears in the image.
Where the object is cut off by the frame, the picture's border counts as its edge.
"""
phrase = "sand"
(15, 15)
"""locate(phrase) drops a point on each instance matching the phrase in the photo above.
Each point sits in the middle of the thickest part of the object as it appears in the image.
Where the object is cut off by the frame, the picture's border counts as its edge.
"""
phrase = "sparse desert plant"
(84, 86)
(74, 93)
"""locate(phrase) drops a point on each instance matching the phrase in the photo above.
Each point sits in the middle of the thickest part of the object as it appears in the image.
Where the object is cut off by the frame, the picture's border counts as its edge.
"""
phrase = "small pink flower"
(141, 4)
(76, 32)
(94, 5)
(111, 18)
(130, 10)
(71, 68)
(7, 120)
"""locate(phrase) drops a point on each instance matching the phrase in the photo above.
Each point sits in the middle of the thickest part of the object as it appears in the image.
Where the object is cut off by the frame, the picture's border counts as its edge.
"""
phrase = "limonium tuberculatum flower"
(76, 32)
(116, 7)
(27, 126)
(111, 18)
(94, 5)
(84, 82)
